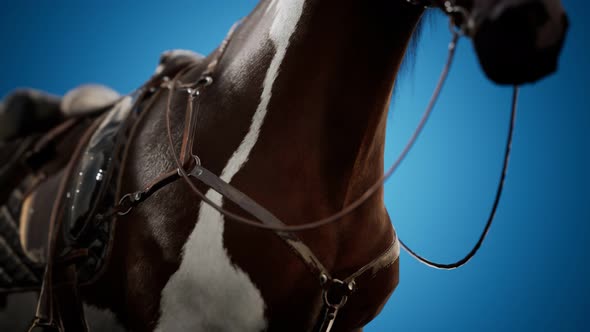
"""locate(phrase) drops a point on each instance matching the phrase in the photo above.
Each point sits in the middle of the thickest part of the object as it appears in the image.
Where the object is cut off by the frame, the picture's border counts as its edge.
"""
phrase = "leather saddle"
(35, 161)
(58, 184)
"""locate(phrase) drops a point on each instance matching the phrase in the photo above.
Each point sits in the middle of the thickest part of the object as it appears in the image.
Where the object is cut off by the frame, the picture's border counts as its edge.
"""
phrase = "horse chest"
(208, 292)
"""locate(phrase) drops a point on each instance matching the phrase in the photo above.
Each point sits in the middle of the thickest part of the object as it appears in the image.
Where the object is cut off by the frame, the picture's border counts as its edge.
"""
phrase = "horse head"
(517, 41)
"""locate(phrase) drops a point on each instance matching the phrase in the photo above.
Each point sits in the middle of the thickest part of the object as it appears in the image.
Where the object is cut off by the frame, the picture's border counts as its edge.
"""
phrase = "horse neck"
(328, 84)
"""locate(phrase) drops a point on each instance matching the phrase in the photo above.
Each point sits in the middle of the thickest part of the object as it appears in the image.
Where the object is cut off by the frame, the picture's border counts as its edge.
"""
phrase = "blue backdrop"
(531, 273)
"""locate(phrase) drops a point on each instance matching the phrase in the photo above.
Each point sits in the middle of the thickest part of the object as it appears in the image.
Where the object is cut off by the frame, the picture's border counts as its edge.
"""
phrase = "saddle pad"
(17, 271)
(34, 219)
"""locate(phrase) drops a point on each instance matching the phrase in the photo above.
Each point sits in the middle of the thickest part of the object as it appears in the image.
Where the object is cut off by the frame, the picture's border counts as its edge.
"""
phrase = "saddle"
(77, 183)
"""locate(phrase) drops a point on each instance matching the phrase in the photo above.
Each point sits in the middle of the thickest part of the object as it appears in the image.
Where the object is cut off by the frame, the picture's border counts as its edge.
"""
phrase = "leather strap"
(388, 257)
(266, 217)
(46, 313)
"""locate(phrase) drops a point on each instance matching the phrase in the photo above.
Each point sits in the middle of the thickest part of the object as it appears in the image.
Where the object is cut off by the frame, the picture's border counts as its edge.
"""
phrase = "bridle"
(188, 160)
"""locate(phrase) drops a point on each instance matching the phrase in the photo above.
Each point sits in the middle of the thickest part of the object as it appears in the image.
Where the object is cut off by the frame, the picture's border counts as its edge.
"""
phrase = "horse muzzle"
(520, 43)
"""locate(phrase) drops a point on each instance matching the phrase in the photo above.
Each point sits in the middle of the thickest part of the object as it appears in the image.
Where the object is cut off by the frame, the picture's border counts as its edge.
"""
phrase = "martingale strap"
(335, 292)
(266, 217)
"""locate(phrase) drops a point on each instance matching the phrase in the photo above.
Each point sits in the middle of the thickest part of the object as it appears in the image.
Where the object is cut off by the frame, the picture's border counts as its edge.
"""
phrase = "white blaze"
(208, 292)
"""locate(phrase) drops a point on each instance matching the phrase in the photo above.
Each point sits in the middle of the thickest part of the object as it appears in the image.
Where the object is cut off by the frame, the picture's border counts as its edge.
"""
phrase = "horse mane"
(409, 60)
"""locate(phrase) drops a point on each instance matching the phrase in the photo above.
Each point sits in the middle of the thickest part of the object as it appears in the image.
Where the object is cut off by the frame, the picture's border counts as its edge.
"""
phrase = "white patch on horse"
(271, 6)
(208, 292)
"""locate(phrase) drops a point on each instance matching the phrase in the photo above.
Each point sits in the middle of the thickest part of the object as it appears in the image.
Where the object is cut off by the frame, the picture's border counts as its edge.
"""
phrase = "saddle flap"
(34, 219)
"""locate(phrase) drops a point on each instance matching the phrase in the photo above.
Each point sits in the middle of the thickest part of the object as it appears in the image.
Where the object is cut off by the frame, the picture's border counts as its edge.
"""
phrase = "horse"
(225, 160)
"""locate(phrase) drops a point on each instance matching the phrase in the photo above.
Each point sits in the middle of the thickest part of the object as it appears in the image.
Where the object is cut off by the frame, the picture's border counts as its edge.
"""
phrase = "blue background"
(531, 273)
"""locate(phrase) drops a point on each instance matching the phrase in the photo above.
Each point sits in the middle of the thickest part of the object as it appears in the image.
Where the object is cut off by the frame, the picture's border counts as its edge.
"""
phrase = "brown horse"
(291, 110)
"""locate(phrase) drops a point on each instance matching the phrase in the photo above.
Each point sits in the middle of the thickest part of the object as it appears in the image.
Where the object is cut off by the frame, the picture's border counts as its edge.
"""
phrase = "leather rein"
(265, 220)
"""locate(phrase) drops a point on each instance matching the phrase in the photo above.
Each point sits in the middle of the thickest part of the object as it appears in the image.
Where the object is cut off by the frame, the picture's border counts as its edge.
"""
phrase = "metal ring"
(197, 160)
(127, 197)
(344, 297)
(451, 8)
(335, 306)
(323, 279)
